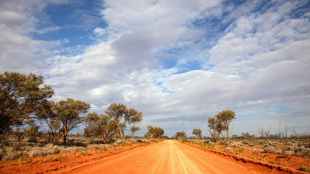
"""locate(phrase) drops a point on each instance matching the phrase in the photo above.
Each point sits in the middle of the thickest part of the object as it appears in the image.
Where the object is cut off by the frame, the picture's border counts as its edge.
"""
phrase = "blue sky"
(177, 61)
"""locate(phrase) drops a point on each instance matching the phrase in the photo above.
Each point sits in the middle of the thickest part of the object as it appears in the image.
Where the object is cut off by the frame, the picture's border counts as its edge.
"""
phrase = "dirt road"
(167, 157)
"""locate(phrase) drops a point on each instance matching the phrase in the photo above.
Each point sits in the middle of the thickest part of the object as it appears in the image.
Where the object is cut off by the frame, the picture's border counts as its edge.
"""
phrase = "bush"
(43, 151)
(9, 153)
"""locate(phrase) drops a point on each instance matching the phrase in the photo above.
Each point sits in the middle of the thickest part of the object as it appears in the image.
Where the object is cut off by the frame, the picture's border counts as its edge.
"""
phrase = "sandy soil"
(168, 157)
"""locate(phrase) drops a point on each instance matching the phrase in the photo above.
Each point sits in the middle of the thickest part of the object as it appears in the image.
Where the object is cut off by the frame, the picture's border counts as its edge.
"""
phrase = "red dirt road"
(167, 157)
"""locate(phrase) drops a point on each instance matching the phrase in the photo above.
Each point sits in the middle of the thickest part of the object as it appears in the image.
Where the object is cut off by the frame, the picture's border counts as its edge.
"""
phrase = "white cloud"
(260, 64)
(148, 26)
(19, 50)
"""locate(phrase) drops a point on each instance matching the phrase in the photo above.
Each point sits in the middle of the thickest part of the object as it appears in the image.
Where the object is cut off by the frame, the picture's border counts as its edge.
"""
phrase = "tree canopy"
(154, 132)
(197, 132)
(123, 115)
(68, 112)
(220, 122)
(21, 96)
(100, 126)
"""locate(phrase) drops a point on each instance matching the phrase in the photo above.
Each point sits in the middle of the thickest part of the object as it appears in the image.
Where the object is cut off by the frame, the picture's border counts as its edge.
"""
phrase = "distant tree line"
(25, 100)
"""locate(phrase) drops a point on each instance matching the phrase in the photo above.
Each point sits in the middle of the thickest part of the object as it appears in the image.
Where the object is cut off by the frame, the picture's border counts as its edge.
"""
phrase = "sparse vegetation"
(290, 152)
(26, 103)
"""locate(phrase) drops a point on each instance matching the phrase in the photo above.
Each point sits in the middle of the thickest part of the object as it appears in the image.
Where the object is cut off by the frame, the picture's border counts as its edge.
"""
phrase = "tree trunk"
(65, 134)
(227, 133)
(65, 138)
(121, 133)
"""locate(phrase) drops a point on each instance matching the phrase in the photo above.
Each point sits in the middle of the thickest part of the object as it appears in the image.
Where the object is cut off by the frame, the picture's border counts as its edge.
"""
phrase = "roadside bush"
(9, 153)
(43, 151)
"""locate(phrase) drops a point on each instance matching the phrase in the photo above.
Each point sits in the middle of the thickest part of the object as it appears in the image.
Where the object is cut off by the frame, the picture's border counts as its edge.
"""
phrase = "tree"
(91, 121)
(68, 113)
(123, 116)
(225, 117)
(133, 130)
(180, 135)
(215, 128)
(154, 132)
(48, 114)
(100, 125)
(20, 96)
(32, 131)
(219, 123)
(197, 132)
(54, 125)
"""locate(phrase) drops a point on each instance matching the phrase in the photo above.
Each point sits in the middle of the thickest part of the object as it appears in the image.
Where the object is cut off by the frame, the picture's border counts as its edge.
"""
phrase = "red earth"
(165, 157)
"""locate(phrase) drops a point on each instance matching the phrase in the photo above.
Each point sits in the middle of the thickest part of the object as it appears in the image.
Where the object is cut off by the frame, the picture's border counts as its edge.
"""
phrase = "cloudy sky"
(177, 61)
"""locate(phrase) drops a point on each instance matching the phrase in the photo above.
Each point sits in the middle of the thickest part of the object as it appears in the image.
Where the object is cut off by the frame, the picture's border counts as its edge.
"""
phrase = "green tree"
(219, 123)
(91, 121)
(100, 126)
(215, 128)
(197, 132)
(154, 132)
(226, 117)
(123, 116)
(20, 96)
(68, 113)
(54, 126)
(180, 135)
(48, 114)
(32, 131)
